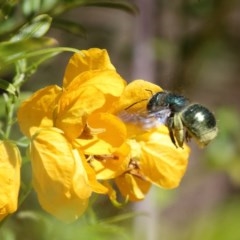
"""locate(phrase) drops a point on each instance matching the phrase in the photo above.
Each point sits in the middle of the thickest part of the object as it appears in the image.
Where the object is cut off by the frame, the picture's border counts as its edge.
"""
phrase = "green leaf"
(69, 26)
(47, 5)
(122, 5)
(7, 86)
(13, 51)
(36, 28)
(23, 142)
(2, 109)
(117, 4)
(30, 7)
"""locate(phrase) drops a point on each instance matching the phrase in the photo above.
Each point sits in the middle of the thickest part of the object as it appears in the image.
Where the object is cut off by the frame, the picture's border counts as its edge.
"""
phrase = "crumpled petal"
(59, 177)
(38, 110)
(87, 60)
(87, 93)
(73, 108)
(84, 167)
(132, 187)
(104, 134)
(10, 163)
(112, 165)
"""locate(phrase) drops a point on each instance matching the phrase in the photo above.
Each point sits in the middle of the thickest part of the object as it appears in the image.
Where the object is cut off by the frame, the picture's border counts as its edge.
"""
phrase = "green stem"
(10, 106)
(50, 50)
(26, 192)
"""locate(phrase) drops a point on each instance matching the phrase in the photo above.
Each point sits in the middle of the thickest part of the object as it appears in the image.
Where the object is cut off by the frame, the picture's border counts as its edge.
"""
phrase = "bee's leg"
(170, 129)
(178, 129)
(188, 136)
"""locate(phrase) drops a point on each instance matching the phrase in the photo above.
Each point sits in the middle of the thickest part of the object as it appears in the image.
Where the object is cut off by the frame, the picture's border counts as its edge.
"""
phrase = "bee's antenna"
(140, 100)
(135, 103)
(149, 91)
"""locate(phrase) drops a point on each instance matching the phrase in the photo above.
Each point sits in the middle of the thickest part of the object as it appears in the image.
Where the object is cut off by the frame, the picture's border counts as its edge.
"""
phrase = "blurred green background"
(191, 47)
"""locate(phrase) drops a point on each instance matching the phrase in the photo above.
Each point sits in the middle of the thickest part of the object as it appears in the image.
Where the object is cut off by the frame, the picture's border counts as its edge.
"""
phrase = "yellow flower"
(10, 162)
(68, 124)
(78, 137)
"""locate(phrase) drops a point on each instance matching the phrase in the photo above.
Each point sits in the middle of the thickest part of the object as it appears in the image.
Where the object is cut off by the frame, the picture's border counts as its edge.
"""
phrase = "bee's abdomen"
(199, 122)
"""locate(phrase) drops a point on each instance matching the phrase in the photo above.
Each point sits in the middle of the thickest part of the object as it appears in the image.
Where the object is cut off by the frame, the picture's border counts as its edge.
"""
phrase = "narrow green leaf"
(36, 28)
(23, 142)
(12, 51)
(121, 5)
(2, 109)
(7, 86)
(69, 26)
(118, 4)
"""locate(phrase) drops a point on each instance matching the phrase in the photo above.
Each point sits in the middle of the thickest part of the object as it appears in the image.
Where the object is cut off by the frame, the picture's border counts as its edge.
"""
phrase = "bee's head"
(164, 99)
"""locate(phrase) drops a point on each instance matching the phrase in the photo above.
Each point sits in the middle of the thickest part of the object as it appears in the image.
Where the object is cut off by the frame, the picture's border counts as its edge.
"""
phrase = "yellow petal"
(10, 161)
(83, 168)
(112, 128)
(106, 81)
(132, 187)
(37, 111)
(136, 95)
(162, 163)
(93, 146)
(73, 108)
(112, 165)
(86, 60)
(105, 133)
(58, 175)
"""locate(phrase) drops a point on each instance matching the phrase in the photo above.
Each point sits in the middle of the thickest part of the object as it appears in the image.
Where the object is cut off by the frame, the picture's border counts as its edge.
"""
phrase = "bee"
(185, 120)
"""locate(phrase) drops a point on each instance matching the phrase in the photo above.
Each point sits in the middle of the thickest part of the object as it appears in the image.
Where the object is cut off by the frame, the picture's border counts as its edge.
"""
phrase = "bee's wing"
(146, 120)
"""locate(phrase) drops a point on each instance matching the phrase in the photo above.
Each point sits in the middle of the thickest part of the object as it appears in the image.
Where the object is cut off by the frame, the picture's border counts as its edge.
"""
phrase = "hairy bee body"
(185, 120)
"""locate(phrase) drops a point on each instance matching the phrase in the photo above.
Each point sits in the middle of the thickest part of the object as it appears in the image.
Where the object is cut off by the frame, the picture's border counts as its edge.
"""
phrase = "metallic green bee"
(186, 119)
(183, 119)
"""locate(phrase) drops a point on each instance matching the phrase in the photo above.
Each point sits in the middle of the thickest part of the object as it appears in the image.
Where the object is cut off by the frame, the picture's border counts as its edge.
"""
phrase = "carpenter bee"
(183, 118)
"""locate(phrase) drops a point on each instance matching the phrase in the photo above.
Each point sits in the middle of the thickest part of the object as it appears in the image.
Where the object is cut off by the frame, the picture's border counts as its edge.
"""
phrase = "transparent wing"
(146, 120)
